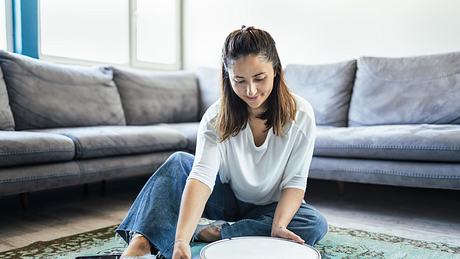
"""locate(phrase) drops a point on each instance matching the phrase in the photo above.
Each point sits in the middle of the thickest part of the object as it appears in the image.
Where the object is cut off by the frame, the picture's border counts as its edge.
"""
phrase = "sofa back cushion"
(6, 116)
(157, 97)
(209, 86)
(45, 95)
(327, 87)
(410, 90)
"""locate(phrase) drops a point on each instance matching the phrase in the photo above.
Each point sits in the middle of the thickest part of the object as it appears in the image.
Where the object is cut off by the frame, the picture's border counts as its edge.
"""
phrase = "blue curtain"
(25, 27)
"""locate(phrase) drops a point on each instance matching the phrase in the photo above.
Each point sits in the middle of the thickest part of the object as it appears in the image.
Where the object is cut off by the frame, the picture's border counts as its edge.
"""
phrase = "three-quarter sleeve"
(296, 171)
(206, 163)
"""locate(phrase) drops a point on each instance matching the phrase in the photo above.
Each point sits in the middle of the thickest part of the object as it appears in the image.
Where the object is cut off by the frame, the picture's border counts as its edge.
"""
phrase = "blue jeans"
(155, 211)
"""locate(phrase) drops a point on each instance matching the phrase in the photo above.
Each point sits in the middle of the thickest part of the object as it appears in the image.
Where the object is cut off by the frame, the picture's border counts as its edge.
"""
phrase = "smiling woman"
(252, 81)
(249, 172)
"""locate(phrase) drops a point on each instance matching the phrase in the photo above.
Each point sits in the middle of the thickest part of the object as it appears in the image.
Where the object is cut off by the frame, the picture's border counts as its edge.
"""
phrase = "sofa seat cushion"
(189, 129)
(24, 148)
(44, 95)
(424, 142)
(104, 141)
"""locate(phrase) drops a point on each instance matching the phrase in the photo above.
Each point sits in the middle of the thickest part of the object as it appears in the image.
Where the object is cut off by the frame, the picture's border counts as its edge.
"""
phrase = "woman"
(253, 153)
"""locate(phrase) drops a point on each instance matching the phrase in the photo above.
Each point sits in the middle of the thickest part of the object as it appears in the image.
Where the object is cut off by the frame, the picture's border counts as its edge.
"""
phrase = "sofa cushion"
(45, 95)
(189, 129)
(412, 90)
(6, 116)
(24, 148)
(327, 87)
(102, 141)
(155, 97)
(438, 143)
(209, 85)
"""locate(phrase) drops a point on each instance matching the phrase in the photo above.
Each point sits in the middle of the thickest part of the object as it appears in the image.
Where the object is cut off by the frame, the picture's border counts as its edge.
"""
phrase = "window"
(92, 30)
(3, 26)
(141, 33)
(157, 32)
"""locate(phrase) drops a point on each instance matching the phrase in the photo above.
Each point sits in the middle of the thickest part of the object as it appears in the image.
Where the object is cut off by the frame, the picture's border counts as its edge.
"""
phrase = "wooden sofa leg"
(340, 187)
(24, 197)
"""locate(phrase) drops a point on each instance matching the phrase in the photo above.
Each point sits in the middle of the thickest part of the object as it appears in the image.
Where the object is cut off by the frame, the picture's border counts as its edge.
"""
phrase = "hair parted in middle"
(233, 112)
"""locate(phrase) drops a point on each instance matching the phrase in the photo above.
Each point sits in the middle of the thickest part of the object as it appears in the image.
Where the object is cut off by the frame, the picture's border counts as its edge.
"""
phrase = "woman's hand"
(283, 232)
(182, 250)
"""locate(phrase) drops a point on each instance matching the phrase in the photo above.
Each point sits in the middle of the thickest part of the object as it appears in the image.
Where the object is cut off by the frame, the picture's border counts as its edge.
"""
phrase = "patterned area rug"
(338, 243)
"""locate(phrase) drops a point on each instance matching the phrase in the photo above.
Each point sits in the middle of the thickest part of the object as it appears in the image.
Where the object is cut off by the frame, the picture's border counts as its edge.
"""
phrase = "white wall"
(324, 31)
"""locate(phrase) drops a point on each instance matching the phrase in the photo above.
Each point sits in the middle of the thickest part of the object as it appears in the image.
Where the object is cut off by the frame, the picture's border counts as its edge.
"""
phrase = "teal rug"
(338, 243)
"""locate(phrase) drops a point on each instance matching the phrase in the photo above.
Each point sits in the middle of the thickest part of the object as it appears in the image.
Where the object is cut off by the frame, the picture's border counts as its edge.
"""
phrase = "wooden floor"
(424, 214)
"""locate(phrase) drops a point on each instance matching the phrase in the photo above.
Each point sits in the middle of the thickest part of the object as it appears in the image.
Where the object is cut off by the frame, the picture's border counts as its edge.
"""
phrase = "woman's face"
(251, 78)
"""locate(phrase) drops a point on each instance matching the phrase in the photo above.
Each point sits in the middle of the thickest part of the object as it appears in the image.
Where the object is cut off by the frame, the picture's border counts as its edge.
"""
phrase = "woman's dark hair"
(234, 114)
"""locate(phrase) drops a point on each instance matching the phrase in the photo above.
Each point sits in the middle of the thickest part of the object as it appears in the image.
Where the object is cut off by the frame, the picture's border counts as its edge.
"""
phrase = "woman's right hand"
(182, 250)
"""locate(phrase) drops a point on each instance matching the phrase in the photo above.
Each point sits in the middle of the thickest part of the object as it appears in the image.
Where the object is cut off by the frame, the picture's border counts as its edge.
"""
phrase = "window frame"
(9, 25)
(132, 45)
(133, 40)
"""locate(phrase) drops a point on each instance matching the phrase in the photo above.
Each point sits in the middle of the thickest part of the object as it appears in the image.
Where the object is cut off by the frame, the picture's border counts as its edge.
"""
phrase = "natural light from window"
(2, 25)
(156, 31)
(85, 30)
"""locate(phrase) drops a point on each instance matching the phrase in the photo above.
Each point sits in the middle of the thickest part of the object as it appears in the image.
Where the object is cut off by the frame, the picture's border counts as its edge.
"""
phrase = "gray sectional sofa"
(393, 121)
(69, 125)
(388, 121)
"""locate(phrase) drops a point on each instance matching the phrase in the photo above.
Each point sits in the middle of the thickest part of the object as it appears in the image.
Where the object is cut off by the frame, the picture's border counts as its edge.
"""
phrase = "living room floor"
(423, 214)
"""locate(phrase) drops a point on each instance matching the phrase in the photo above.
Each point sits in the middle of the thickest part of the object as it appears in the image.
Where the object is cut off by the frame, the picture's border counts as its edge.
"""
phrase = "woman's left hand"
(283, 232)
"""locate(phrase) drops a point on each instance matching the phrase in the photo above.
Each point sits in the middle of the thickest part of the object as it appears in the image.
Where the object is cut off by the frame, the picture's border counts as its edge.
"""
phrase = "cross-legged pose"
(249, 172)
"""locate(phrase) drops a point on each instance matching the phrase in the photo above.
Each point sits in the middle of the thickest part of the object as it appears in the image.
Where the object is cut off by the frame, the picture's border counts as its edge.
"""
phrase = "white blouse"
(256, 174)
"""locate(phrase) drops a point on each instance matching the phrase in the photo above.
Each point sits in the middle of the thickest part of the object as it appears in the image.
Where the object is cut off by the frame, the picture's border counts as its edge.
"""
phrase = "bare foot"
(210, 234)
(138, 246)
